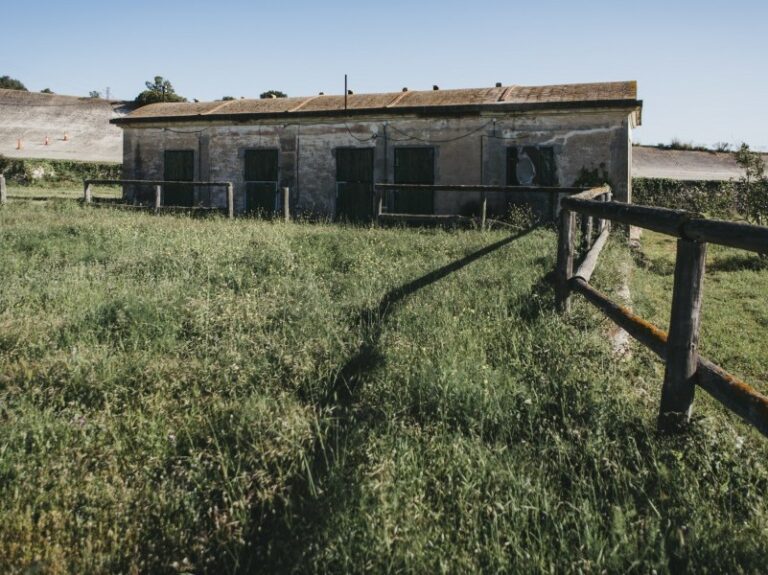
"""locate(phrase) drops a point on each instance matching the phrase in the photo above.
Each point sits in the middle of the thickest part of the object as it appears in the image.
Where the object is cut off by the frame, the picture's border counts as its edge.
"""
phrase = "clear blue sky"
(701, 67)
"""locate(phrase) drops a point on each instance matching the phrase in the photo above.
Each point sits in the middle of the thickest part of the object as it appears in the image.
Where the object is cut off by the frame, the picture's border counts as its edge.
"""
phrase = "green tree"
(12, 84)
(272, 94)
(160, 90)
(94, 94)
(46, 91)
(753, 188)
(227, 98)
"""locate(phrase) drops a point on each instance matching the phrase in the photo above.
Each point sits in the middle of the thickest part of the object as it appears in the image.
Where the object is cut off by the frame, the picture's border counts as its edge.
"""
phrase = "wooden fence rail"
(684, 367)
(555, 194)
(158, 186)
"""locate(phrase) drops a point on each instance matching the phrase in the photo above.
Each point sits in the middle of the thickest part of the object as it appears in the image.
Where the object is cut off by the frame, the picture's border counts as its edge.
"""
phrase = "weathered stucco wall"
(468, 150)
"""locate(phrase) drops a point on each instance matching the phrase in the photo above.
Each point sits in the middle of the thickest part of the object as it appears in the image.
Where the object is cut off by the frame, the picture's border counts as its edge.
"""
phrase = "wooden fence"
(685, 368)
(158, 185)
(158, 203)
(553, 193)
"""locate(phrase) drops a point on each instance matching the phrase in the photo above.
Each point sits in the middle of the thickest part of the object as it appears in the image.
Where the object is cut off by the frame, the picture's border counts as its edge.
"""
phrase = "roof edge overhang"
(633, 107)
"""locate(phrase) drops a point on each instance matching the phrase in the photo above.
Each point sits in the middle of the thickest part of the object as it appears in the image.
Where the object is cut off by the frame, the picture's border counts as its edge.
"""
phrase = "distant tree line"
(12, 84)
(157, 90)
(678, 144)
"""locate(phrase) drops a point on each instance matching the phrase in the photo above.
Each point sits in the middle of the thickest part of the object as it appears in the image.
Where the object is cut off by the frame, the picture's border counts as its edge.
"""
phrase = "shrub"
(21, 171)
(12, 84)
(713, 198)
(753, 189)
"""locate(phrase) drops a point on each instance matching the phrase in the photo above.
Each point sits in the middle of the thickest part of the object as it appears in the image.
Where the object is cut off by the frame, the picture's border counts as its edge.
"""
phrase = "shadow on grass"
(372, 320)
(656, 266)
(540, 298)
(739, 262)
(281, 534)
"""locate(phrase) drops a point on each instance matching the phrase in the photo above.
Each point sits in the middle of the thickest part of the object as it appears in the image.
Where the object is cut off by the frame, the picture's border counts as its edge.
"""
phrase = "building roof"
(503, 98)
(649, 162)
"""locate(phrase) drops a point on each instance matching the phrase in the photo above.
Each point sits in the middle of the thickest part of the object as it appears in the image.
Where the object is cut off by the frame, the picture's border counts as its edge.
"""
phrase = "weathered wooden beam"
(602, 223)
(734, 394)
(586, 233)
(645, 332)
(554, 206)
(565, 255)
(287, 204)
(153, 183)
(588, 264)
(661, 220)
(379, 205)
(470, 188)
(88, 192)
(3, 191)
(593, 193)
(484, 213)
(677, 223)
(683, 342)
(736, 235)
(158, 198)
(230, 200)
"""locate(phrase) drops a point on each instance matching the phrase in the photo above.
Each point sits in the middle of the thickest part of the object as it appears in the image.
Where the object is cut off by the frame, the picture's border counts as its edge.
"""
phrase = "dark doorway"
(414, 166)
(354, 184)
(179, 167)
(261, 171)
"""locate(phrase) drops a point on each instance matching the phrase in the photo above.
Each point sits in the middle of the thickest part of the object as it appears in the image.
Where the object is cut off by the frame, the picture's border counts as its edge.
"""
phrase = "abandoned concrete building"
(329, 150)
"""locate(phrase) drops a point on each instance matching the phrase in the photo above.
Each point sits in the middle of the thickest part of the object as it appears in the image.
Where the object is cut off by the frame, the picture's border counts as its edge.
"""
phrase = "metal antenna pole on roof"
(345, 93)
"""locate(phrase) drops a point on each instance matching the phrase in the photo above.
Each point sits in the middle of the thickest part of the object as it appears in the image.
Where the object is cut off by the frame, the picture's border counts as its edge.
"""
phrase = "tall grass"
(181, 395)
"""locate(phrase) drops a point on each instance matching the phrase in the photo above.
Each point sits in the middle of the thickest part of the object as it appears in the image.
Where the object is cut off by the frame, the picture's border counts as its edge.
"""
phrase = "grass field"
(735, 310)
(208, 396)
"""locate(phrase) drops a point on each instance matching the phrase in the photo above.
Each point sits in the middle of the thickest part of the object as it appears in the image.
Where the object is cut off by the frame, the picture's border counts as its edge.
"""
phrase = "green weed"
(208, 396)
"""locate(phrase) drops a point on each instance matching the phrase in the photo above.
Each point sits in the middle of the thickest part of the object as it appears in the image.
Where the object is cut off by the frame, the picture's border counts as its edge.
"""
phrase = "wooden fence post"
(683, 341)
(88, 192)
(565, 252)
(601, 221)
(230, 200)
(3, 191)
(554, 200)
(287, 204)
(379, 206)
(484, 211)
(158, 198)
(586, 232)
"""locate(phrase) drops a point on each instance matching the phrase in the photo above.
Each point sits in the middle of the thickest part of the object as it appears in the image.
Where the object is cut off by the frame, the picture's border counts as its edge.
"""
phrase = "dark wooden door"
(414, 166)
(261, 172)
(354, 184)
(179, 167)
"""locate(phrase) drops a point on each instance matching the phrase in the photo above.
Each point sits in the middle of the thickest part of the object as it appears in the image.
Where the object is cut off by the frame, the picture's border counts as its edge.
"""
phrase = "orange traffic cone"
(46, 140)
